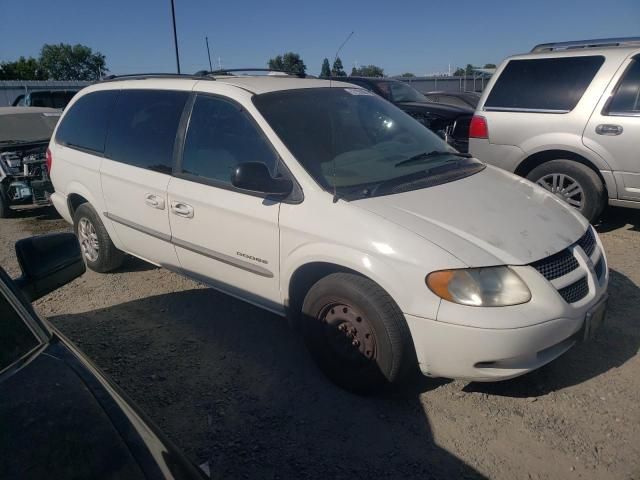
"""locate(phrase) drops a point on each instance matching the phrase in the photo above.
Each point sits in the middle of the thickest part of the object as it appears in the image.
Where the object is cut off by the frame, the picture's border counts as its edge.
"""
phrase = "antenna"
(175, 34)
(335, 191)
(206, 39)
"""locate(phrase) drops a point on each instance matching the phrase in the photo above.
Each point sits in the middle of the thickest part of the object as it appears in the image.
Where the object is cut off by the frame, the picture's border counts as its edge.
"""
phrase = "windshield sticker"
(358, 91)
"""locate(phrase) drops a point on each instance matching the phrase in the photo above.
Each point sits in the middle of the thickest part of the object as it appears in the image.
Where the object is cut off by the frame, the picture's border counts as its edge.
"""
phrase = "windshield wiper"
(428, 155)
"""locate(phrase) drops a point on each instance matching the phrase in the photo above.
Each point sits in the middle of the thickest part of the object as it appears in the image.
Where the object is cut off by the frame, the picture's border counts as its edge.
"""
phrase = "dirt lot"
(230, 384)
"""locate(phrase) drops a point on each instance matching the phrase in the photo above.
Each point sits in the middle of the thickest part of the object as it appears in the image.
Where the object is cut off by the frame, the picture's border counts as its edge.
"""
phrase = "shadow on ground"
(36, 213)
(616, 342)
(614, 218)
(231, 383)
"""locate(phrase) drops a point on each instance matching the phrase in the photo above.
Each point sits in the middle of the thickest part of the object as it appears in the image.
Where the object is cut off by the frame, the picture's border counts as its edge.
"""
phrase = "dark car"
(457, 99)
(45, 98)
(60, 417)
(449, 122)
(24, 137)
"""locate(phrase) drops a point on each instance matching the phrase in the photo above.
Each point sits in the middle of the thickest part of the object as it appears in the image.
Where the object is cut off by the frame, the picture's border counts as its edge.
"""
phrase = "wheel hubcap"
(88, 239)
(564, 187)
(348, 332)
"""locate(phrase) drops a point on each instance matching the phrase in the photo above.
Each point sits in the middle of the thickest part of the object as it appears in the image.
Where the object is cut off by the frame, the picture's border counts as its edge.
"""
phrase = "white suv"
(567, 116)
(321, 201)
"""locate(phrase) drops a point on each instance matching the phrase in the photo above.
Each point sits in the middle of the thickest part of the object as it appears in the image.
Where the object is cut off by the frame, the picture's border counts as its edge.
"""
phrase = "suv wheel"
(356, 333)
(574, 183)
(99, 252)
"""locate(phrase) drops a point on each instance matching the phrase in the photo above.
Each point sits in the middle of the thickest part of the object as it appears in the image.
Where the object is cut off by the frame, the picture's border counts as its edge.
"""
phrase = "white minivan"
(325, 203)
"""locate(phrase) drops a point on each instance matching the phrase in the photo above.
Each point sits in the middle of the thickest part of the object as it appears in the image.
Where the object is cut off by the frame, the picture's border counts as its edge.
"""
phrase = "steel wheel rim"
(348, 333)
(565, 187)
(88, 239)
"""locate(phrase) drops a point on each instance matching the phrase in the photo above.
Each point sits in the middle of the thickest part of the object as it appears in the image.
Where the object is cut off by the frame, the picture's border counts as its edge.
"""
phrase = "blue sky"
(416, 36)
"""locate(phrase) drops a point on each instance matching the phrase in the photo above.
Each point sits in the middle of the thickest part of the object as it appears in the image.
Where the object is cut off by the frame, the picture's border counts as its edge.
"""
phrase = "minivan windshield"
(353, 141)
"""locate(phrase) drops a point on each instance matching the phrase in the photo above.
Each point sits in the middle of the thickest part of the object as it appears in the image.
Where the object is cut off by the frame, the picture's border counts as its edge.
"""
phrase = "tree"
(469, 69)
(338, 69)
(489, 65)
(407, 75)
(289, 62)
(22, 69)
(369, 71)
(326, 69)
(354, 72)
(459, 72)
(72, 62)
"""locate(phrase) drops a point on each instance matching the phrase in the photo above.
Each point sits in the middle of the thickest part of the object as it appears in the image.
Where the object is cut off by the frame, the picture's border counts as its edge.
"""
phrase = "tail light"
(478, 127)
(49, 160)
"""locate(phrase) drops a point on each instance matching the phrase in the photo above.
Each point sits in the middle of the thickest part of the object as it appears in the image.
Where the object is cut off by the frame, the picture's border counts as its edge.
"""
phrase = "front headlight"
(480, 287)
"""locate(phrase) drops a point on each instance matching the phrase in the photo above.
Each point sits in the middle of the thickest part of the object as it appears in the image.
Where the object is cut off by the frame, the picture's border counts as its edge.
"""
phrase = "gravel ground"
(232, 385)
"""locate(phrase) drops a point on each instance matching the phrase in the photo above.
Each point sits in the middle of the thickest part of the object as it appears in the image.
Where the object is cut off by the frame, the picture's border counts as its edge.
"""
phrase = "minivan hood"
(490, 218)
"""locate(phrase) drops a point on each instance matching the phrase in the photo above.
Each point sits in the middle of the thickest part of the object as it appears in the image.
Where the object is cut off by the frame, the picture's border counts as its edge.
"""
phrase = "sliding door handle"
(182, 209)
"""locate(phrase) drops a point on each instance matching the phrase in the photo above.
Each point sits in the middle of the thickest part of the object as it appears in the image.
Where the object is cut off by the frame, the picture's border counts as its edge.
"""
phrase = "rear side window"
(16, 339)
(626, 99)
(85, 124)
(553, 85)
(220, 136)
(144, 127)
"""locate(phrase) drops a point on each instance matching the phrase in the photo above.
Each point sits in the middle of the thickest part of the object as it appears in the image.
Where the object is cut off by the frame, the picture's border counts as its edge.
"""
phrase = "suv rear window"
(144, 127)
(85, 124)
(553, 85)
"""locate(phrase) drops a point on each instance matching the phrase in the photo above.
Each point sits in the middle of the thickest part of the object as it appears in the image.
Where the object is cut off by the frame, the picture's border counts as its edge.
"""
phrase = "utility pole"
(175, 34)
(208, 53)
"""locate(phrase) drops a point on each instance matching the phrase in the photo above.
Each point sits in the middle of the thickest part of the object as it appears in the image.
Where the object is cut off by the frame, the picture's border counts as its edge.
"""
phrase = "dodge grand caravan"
(323, 202)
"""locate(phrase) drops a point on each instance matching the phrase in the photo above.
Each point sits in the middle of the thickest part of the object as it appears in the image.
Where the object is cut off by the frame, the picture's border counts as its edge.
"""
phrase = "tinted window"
(554, 84)
(220, 136)
(85, 124)
(144, 127)
(16, 339)
(401, 92)
(626, 100)
(355, 141)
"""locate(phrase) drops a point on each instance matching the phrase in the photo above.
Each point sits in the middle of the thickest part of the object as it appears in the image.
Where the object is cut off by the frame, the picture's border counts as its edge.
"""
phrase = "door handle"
(608, 129)
(182, 209)
(154, 201)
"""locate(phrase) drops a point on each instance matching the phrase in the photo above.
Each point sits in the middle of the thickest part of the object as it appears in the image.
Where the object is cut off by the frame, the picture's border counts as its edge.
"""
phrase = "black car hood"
(59, 418)
(53, 427)
(447, 111)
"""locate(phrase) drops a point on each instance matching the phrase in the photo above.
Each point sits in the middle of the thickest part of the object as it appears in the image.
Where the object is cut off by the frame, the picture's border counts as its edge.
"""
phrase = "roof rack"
(595, 43)
(143, 76)
(231, 71)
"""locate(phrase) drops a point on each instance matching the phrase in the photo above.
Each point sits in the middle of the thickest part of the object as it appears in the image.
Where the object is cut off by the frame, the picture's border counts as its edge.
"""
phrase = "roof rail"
(595, 43)
(230, 71)
(143, 76)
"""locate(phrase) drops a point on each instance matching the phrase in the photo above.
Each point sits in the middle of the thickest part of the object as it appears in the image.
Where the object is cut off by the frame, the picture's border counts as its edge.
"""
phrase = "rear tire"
(573, 182)
(356, 333)
(98, 251)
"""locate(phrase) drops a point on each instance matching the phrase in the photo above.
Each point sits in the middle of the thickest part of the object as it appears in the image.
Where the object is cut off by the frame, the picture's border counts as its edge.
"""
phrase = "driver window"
(221, 136)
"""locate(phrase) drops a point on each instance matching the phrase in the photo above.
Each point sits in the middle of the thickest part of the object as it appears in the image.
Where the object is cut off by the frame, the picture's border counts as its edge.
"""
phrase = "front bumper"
(521, 338)
(482, 354)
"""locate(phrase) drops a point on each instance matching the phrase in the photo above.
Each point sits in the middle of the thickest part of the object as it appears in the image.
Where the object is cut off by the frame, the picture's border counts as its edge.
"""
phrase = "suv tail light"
(49, 160)
(478, 127)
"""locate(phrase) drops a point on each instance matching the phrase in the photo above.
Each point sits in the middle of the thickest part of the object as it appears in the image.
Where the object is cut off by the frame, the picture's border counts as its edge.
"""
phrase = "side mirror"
(48, 262)
(255, 177)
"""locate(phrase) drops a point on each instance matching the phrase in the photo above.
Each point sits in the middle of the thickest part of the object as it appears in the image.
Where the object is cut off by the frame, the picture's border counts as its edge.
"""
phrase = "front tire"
(573, 182)
(99, 252)
(356, 333)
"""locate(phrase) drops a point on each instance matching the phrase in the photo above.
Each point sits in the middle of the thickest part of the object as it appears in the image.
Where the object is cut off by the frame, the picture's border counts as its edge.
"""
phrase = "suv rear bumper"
(507, 157)
(59, 201)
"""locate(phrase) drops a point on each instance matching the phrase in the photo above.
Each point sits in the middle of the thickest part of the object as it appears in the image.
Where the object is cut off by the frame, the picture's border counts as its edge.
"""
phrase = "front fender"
(404, 282)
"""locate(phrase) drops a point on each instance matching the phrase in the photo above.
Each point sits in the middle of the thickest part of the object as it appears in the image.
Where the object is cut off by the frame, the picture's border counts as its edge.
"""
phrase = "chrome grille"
(576, 291)
(556, 265)
(587, 242)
